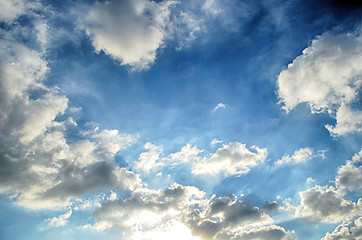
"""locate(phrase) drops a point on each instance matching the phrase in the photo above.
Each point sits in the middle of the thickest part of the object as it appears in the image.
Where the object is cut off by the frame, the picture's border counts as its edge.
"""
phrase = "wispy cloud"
(215, 141)
(219, 106)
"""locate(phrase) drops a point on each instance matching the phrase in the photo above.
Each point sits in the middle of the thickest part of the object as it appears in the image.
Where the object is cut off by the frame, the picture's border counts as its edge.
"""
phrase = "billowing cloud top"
(327, 76)
(130, 31)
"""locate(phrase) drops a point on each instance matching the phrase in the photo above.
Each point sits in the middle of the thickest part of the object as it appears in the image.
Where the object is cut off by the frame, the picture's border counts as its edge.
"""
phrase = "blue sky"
(192, 119)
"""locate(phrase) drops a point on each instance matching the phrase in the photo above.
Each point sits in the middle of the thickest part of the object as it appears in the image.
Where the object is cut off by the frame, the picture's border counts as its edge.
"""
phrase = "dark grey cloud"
(97, 177)
(270, 207)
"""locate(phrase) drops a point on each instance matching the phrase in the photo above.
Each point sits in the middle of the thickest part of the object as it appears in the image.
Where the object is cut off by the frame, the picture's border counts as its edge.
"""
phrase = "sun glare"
(173, 230)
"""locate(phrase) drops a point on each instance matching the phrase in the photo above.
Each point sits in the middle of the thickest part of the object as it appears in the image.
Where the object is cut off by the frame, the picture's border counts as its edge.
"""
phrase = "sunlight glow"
(172, 230)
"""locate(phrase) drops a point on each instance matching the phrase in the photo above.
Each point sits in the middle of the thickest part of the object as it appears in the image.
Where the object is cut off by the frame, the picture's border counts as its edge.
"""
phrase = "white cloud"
(325, 204)
(146, 210)
(60, 221)
(149, 212)
(272, 232)
(215, 141)
(299, 156)
(155, 158)
(39, 115)
(328, 77)
(150, 160)
(328, 203)
(41, 28)
(231, 159)
(37, 164)
(310, 180)
(349, 175)
(348, 120)
(188, 153)
(218, 106)
(111, 141)
(351, 230)
(21, 69)
(130, 31)
(11, 10)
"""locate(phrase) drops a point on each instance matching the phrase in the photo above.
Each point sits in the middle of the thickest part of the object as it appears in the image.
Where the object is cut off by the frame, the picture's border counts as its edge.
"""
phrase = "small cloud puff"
(60, 221)
(231, 159)
(218, 106)
(215, 141)
(299, 156)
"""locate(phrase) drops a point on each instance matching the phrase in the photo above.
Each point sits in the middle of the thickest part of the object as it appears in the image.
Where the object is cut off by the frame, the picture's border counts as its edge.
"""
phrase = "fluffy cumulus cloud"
(325, 204)
(21, 69)
(148, 212)
(351, 230)
(48, 172)
(146, 209)
(348, 120)
(60, 221)
(349, 175)
(39, 168)
(231, 159)
(299, 156)
(130, 31)
(151, 159)
(155, 158)
(328, 77)
(328, 203)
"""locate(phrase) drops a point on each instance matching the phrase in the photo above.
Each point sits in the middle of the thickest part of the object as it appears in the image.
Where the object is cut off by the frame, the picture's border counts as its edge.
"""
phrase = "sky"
(181, 119)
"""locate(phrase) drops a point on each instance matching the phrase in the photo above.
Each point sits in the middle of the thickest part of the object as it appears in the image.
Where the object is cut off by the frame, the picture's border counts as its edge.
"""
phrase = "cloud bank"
(39, 167)
(130, 31)
(231, 159)
(149, 211)
(328, 77)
